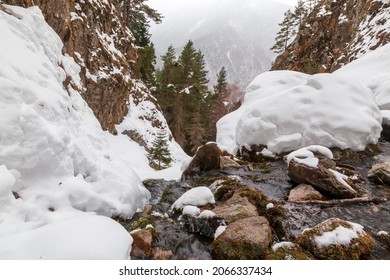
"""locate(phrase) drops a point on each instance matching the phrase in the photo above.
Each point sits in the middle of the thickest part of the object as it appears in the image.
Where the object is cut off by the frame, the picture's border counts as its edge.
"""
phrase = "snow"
(339, 236)
(341, 179)
(269, 206)
(191, 210)
(207, 214)
(371, 71)
(219, 231)
(287, 110)
(306, 156)
(54, 155)
(86, 237)
(283, 245)
(196, 197)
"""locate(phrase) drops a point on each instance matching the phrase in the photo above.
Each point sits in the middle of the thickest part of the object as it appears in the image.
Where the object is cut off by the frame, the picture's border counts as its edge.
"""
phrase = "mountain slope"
(237, 35)
(336, 33)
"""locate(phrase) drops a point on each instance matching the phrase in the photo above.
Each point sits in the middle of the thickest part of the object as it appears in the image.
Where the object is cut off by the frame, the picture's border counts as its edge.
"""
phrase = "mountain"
(336, 33)
(230, 33)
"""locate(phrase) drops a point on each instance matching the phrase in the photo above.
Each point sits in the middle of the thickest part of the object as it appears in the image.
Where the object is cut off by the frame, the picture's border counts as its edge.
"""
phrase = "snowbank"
(196, 197)
(87, 237)
(373, 71)
(56, 163)
(287, 110)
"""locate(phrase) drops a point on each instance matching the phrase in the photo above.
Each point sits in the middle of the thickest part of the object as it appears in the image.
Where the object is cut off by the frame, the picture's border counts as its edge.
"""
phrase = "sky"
(154, 3)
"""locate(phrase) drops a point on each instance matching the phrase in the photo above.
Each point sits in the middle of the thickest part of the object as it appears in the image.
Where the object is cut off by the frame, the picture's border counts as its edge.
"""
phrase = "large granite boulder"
(246, 239)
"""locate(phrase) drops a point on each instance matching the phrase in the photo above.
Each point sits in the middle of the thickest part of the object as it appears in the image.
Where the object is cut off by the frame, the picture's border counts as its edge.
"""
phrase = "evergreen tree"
(160, 154)
(222, 84)
(285, 34)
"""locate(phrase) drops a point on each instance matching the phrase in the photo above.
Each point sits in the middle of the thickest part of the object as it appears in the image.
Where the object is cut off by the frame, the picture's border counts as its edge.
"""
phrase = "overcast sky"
(158, 3)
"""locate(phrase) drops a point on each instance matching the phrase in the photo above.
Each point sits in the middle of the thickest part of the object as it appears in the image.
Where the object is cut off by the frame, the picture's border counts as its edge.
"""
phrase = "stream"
(272, 180)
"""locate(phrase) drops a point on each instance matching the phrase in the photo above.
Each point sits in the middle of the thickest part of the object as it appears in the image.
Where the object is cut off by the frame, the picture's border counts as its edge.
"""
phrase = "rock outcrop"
(95, 36)
(335, 33)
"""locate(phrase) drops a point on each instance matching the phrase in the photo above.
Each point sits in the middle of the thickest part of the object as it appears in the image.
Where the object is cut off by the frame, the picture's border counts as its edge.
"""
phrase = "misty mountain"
(230, 33)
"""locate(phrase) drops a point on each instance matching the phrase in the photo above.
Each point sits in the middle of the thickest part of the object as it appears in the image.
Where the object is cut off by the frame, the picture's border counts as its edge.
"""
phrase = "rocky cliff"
(95, 36)
(336, 33)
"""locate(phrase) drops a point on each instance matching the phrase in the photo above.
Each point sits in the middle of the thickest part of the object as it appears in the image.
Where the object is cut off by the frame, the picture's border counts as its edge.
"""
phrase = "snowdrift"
(286, 110)
(58, 169)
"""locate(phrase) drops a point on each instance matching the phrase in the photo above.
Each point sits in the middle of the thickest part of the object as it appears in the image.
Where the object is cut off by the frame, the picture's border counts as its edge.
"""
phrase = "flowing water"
(273, 181)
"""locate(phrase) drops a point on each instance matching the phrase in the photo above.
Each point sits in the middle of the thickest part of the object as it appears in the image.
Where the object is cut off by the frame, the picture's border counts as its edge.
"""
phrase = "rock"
(336, 239)
(203, 226)
(227, 162)
(142, 244)
(161, 254)
(207, 157)
(321, 178)
(304, 192)
(380, 173)
(288, 251)
(236, 208)
(246, 239)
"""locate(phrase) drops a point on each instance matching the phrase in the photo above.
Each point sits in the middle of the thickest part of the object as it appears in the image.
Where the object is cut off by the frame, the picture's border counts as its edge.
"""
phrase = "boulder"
(246, 239)
(380, 173)
(336, 239)
(142, 244)
(207, 158)
(236, 208)
(322, 178)
(304, 192)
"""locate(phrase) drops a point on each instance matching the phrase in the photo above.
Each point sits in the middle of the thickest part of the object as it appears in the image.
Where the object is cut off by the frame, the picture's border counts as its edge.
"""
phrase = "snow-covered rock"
(196, 197)
(287, 110)
(337, 239)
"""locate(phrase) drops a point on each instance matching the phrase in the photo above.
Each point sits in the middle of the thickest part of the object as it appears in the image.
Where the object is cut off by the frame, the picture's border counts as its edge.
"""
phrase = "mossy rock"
(288, 251)
(336, 239)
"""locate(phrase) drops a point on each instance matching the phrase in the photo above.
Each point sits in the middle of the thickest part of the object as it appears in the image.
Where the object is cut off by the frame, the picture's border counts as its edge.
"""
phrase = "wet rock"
(236, 208)
(288, 251)
(384, 237)
(227, 162)
(245, 239)
(142, 244)
(304, 192)
(203, 226)
(336, 239)
(173, 191)
(161, 254)
(207, 158)
(380, 173)
(321, 178)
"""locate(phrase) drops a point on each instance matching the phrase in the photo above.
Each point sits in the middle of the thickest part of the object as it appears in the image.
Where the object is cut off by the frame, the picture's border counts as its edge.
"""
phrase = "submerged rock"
(203, 226)
(246, 239)
(336, 239)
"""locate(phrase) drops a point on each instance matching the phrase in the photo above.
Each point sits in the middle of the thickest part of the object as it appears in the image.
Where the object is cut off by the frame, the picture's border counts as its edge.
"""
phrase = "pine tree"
(285, 34)
(160, 154)
(222, 84)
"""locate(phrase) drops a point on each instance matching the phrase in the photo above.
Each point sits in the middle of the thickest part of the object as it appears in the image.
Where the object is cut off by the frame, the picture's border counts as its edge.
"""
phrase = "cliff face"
(335, 33)
(95, 37)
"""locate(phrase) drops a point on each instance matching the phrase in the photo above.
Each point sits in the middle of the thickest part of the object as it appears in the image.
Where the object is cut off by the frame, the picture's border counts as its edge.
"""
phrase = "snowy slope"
(286, 110)
(231, 33)
(58, 169)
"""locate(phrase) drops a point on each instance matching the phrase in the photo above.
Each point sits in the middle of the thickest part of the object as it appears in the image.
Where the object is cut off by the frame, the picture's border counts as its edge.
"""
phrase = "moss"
(293, 253)
(155, 233)
(143, 222)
